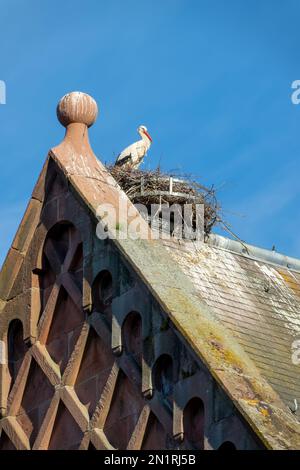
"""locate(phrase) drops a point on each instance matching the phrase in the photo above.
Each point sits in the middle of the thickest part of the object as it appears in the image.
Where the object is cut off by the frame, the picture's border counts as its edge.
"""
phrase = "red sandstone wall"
(92, 361)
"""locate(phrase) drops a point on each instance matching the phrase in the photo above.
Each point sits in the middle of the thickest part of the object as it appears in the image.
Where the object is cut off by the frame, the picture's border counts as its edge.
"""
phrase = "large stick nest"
(153, 187)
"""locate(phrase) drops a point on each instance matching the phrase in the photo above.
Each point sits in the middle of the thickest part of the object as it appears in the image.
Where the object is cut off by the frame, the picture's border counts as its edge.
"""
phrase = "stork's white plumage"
(132, 156)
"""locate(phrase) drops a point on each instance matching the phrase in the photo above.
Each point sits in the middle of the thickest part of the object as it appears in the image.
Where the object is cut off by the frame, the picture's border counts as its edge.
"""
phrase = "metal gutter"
(253, 252)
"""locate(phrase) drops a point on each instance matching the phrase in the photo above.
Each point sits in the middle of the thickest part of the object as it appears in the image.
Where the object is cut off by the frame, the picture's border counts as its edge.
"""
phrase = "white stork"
(132, 156)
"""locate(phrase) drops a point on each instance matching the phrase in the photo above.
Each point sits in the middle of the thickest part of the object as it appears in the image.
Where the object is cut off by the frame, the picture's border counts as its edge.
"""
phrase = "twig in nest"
(153, 187)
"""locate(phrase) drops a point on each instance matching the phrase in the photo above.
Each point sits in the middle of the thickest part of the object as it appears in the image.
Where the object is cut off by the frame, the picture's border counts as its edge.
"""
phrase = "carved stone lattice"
(92, 360)
(106, 343)
(69, 392)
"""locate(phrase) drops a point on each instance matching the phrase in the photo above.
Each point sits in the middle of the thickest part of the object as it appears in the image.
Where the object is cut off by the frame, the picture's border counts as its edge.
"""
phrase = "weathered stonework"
(87, 372)
(100, 349)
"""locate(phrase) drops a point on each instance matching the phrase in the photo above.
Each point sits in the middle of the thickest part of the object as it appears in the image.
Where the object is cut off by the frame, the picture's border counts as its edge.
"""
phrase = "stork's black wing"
(123, 160)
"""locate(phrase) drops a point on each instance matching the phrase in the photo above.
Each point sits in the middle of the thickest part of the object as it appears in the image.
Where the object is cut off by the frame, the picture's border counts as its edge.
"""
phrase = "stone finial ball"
(77, 107)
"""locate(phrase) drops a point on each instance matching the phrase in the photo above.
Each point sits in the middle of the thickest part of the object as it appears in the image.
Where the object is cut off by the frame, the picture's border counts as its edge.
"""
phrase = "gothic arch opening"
(162, 375)
(102, 289)
(227, 445)
(16, 348)
(193, 422)
(62, 253)
(132, 335)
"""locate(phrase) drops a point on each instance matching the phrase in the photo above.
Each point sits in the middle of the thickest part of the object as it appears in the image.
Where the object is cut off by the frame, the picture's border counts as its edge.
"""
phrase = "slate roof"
(258, 301)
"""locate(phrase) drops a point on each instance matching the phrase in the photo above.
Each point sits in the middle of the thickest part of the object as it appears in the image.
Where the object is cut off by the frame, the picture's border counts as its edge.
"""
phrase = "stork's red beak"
(148, 135)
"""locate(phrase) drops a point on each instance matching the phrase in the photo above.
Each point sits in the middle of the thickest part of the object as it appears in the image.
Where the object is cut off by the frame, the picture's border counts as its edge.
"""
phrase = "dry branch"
(157, 187)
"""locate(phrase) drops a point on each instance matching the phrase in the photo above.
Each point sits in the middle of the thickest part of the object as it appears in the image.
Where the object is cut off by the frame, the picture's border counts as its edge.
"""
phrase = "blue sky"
(211, 80)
